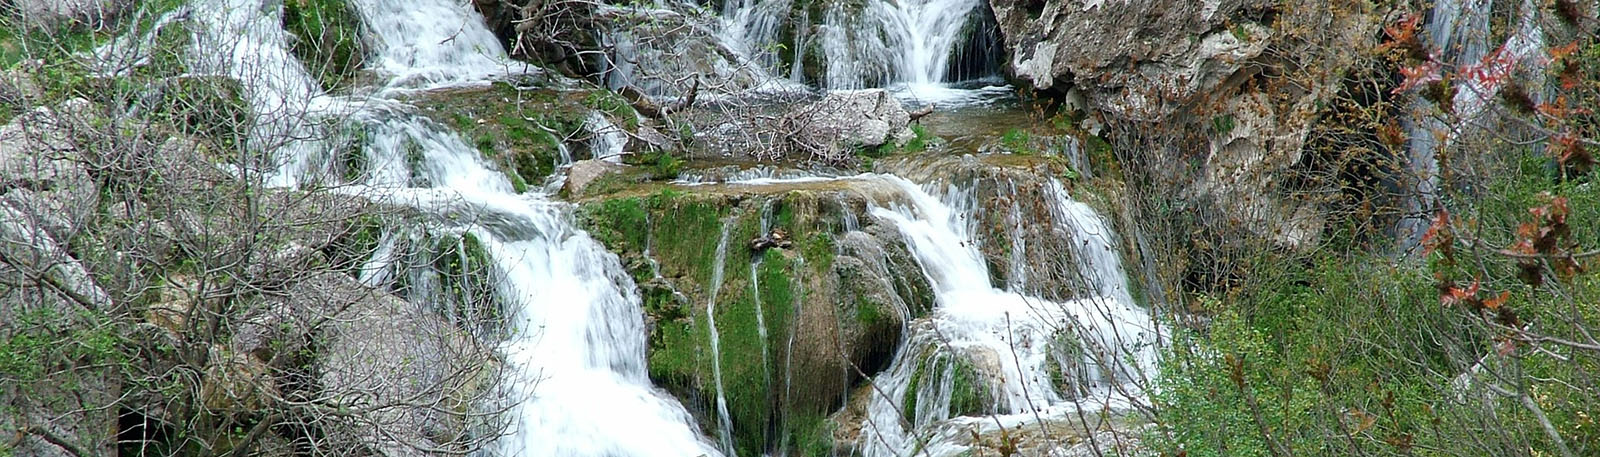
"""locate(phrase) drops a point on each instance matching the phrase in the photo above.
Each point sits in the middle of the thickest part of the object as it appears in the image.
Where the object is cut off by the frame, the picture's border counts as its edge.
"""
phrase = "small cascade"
(428, 44)
(606, 140)
(724, 421)
(988, 351)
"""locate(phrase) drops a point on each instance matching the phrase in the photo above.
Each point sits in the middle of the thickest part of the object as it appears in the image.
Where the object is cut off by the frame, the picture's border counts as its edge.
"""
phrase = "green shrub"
(328, 38)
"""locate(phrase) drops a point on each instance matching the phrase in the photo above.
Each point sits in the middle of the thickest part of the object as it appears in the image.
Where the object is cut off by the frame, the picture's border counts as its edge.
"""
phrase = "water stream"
(576, 336)
(577, 339)
(1024, 358)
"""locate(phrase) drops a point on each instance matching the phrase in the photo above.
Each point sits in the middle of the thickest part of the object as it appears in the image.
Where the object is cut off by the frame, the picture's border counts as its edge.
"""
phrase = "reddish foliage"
(1439, 237)
(1548, 238)
(1403, 35)
(1417, 76)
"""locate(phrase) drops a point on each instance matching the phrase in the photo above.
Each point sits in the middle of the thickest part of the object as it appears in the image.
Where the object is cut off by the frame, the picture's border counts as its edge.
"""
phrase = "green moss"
(908, 401)
(869, 313)
(818, 249)
(328, 40)
(614, 106)
(1017, 141)
(969, 395)
(662, 165)
(465, 270)
(810, 435)
(620, 224)
(353, 153)
(211, 108)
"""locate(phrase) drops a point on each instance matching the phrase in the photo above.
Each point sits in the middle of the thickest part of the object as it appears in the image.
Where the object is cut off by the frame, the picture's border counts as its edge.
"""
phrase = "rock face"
(1131, 58)
(796, 326)
(832, 128)
(50, 14)
(1181, 88)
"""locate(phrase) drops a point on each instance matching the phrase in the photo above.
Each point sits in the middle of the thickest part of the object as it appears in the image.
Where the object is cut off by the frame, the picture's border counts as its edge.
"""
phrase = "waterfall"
(724, 421)
(428, 44)
(1459, 34)
(1023, 358)
(576, 333)
(907, 45)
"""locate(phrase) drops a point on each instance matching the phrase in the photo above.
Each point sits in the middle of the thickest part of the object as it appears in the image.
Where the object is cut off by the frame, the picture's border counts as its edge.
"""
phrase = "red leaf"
(1426, 73)
(1438, 233)
(1493, 303)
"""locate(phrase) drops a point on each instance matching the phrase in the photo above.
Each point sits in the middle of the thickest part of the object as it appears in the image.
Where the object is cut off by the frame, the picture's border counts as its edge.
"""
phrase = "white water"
(577, 338)
(903, 45)
(1459, 35)
(1008, 337)
(427, 44)
(724, 422)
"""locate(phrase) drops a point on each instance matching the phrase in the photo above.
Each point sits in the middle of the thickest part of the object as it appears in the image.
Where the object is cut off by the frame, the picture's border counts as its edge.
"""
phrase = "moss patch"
(520, 131)
(679, 230)
(327, 38)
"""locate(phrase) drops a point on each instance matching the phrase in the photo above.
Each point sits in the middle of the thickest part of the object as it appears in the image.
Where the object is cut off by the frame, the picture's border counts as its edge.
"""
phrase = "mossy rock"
(522, 131)
(209, 107)
(779, 311)
(969, 389)
(466, 274)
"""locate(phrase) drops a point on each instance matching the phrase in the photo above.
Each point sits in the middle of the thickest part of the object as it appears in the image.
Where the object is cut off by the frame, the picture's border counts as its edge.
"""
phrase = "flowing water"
(1459, 33)
(1027, 359)
(576, 332)
(576, 335)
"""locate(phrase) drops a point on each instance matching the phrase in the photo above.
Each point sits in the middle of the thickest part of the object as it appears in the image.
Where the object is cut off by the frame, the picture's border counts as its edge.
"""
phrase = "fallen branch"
(650, 109)
(920, 113)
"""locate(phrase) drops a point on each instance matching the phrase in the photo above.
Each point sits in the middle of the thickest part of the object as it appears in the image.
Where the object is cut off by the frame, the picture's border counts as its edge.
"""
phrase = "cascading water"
(1458, 31)
(431, 44)
(989, 350)
(905, 45)
(576, 334)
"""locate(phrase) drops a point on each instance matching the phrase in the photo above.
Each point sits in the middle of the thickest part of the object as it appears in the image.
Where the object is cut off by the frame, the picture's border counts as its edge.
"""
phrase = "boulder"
(833, 128)
(17, 88)
(414, 377)
(585, 172)
(52, 14)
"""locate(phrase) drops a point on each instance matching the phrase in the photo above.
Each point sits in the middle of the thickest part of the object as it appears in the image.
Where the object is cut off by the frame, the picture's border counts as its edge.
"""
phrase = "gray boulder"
(832, 128)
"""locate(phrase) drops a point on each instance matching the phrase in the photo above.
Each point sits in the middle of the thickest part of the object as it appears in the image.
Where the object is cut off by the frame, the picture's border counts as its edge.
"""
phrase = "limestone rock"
(585, 172)
(1187, 90)
(50, 14)
(1132, 58)
(841, 121)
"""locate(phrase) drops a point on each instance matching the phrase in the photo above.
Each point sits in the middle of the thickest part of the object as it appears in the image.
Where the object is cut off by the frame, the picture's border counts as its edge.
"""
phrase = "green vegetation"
(969, 395)
(614, 106)
(1372, 351)
(467, 273)
(328, 39)
(920, 141)
(521, 131)
(1018, 141)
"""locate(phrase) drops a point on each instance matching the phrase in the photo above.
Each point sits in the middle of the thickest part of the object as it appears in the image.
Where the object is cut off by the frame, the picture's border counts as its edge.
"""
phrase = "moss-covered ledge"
(797, 324)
